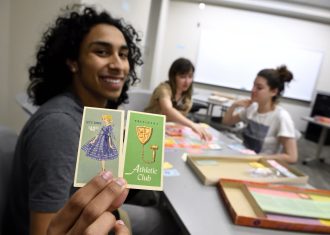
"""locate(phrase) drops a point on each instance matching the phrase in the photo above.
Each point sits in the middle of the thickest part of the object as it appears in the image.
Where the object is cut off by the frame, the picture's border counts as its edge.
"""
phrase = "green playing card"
(144, 151)
(100, 144)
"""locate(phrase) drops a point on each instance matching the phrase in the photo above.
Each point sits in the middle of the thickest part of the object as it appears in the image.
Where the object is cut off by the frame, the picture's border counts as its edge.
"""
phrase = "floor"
(318, 172)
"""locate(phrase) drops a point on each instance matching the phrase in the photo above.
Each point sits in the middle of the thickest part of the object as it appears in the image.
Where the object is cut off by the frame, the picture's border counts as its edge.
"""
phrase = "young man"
(85, 59)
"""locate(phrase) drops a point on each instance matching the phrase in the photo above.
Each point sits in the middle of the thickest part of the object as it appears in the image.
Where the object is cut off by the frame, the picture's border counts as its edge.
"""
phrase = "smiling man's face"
(102, 66)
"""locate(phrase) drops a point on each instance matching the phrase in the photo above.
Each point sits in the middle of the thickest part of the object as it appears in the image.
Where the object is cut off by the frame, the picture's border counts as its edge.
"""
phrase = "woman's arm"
(230, 118)
(174, 115)
(290, 151)
(112, 138)
(110, 142)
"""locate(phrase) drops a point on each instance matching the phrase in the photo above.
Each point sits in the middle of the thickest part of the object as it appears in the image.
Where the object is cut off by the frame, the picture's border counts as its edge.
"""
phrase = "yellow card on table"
(256, 165)
(167, 165)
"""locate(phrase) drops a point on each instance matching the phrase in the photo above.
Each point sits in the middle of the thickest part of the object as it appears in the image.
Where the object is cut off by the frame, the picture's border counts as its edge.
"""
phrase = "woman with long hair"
(173, 97)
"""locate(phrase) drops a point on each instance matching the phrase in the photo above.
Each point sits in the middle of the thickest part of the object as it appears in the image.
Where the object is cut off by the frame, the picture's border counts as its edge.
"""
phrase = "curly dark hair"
(51, 75)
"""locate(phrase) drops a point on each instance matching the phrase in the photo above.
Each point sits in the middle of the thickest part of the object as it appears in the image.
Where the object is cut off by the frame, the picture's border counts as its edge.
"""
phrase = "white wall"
(185, 21)
(22, 23)
(27, 20)
(154, 43)
(4, 60)
(135, 13)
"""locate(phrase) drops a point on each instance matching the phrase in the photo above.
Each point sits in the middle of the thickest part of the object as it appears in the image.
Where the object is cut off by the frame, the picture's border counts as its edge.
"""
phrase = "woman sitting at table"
(173, 97)
(269, 128)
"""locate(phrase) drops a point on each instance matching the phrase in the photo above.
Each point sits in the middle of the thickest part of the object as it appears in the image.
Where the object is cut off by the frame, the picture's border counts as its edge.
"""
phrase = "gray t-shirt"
(44, 163)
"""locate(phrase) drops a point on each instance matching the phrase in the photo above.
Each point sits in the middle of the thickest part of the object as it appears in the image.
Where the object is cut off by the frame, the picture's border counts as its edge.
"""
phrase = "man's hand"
(89, 210)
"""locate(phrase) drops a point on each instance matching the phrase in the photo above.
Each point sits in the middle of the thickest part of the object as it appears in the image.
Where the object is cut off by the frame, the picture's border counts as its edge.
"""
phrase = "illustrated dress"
(100, 148)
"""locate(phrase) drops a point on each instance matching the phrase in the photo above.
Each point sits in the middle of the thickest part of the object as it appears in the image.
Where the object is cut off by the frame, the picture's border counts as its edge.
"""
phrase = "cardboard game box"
(276, 206)
(251, 168)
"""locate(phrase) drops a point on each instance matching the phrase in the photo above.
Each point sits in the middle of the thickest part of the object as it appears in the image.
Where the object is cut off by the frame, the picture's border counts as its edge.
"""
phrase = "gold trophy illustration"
(154, 149)
(144, 134)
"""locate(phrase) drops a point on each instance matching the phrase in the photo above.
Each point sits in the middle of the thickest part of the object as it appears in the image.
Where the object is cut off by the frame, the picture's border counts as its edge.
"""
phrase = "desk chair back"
(138, 100)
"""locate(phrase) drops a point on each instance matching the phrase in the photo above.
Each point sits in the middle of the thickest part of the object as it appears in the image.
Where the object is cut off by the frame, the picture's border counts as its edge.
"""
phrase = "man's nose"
(115, 62)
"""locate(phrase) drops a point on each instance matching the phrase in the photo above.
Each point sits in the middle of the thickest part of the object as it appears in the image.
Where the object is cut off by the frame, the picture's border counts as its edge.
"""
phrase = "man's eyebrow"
(107, 44)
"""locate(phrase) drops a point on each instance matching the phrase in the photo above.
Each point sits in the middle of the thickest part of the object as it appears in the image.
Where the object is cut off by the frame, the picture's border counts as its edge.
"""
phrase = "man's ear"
(73, 65)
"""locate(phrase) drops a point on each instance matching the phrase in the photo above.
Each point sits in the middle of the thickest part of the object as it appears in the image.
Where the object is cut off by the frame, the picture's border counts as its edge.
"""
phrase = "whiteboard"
(232, 60)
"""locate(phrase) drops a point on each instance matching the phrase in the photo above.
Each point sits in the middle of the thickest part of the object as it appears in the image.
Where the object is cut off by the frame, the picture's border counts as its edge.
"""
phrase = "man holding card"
(85, 59)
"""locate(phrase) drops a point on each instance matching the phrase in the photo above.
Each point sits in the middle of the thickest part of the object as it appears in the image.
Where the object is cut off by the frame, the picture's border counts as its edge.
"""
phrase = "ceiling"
(311, 10)
(313, 3)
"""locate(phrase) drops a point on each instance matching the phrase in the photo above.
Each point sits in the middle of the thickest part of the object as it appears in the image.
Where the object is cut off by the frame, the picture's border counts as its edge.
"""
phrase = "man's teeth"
(114, 81)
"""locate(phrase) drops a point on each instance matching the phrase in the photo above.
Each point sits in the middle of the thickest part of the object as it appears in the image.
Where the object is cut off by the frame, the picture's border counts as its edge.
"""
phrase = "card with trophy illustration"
(100, 144)
(144, 151)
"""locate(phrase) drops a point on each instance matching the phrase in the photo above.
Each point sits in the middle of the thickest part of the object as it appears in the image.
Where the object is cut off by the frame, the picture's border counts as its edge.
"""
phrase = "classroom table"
(324, 131)
(199, 209)
(224, 105)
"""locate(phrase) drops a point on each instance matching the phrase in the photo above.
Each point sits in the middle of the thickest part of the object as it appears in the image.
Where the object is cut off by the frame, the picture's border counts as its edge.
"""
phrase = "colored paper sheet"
(287, 205)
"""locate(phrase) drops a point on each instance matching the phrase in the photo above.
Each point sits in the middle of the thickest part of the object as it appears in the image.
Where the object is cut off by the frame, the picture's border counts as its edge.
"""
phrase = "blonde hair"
(107, 117)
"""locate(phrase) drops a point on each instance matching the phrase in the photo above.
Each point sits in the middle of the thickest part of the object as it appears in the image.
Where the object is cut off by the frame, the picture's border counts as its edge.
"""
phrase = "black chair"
(194, 109)
(8, 139)
(321, 107)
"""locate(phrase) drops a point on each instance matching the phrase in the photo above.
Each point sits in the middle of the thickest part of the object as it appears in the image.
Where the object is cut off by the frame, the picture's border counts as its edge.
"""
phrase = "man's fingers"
(73, 208)
(119, 200)
(101, 203)
(102, 225)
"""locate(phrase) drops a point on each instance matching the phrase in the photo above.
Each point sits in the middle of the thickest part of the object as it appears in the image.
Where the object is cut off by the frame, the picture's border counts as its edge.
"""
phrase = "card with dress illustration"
(100, 144)
(144, 150)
